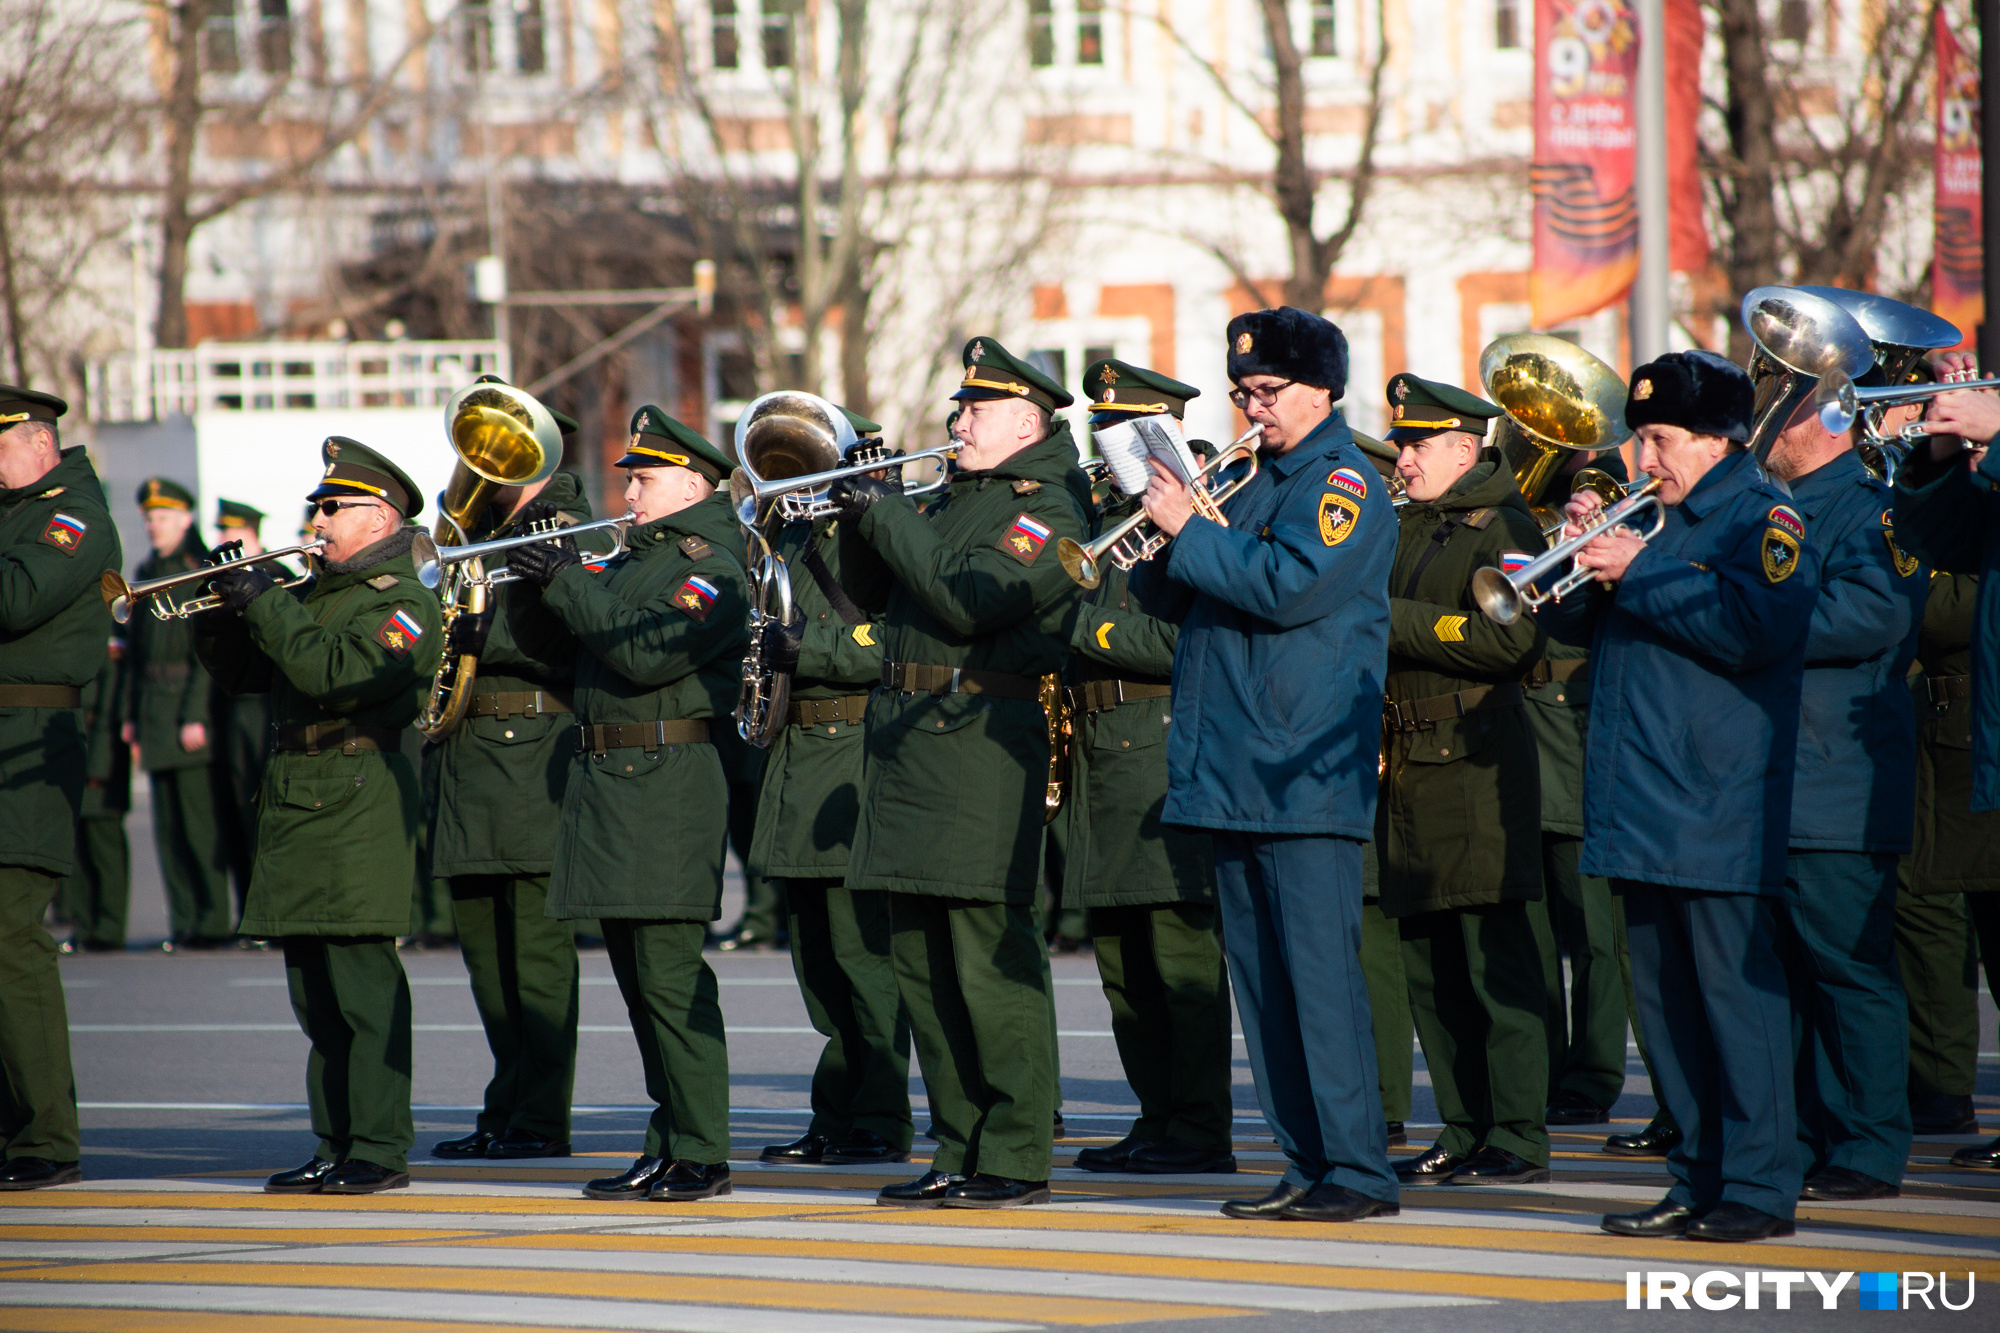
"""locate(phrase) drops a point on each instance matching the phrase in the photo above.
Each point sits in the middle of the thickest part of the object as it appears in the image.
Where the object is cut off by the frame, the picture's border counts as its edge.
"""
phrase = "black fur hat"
(1702, 393)
(1292, 344)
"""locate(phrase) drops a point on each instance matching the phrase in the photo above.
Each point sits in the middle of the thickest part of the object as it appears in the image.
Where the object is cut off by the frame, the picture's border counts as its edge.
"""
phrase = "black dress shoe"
(1058, 1131)
(519, 1143)
(984, 1191)
(1327, 1202)
(1573, 1108)
(926, 1191)
(1978, 1156)
(1111, 1157)
(1838, 1184)
(687, 1181)
(1398, 1136)
(1178, 1157)
(35, 1173)
(1665, 1218)
(1655, 1140)
(863, 1147)
(300, 1179)
(806, 1150)
(1939, 1113)
(636, 1183)
(1429, 1168)
(1497, 1166)
(474, 1144)
(357, 1177)
(1271, 1206)
(1732, 1223)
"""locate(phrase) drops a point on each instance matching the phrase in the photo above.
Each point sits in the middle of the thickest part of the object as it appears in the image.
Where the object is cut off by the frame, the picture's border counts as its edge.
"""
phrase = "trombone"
(119, 595)
(434, 561)
(1127, 545)
(1504, 596)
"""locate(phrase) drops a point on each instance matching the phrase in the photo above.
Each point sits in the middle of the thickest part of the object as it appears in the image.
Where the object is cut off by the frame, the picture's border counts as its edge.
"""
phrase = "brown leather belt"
(1547, 672)
(648, 736)
(503, 704)
(316, 738)
(1101, 696)
(922, 678)
(40, 696)
(1944, 689)
(1409, 714)
(825, 712)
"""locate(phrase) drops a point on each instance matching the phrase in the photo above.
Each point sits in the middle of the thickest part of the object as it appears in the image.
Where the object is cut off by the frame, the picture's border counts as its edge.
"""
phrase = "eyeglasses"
(328, 508)
(1265, 396)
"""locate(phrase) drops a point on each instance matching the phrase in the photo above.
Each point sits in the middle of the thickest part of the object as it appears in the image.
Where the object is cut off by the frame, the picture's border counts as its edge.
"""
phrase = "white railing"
(276, 376)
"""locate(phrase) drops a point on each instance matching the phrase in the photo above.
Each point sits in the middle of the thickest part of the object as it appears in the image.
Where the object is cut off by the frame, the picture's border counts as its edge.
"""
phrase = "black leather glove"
(854, 496)
(781, 645)
(226, 552)
(468, 634)
(239, 585)
(537, 511)
(541, 562)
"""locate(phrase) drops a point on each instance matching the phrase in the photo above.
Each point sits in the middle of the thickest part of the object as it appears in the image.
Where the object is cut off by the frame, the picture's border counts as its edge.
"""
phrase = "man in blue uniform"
(1857, 757)
(1698, 648)
(1278, 676)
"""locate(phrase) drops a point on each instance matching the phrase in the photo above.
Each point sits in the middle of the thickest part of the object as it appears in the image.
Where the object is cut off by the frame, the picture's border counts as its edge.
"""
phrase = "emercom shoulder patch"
(1339, 515)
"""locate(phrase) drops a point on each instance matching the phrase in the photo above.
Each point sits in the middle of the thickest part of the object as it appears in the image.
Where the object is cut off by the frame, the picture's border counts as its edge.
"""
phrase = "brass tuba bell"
(1557, 399)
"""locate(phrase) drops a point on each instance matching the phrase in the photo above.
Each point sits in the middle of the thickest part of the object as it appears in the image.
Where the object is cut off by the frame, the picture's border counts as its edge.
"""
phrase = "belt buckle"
(1394, 712)
(954, 687)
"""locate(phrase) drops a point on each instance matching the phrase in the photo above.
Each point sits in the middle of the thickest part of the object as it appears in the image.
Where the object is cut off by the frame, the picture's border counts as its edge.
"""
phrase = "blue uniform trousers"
(1851, 1033)
(1717, 1019)
(1291, 925)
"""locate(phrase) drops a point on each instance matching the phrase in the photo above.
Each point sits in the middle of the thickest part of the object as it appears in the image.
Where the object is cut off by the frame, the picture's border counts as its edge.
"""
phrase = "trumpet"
(1127, 544)
(1840, 404)
(435, 560)
(1504, 596)
(1599, 483)
(795, 445)
(119, 596)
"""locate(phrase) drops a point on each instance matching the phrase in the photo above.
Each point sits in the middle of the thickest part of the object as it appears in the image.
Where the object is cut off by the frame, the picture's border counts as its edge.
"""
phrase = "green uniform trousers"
(37, 1087)
(675, 1007)
(352, 999)
(1388, 1005)
(526, 983)
(97, 895)
(1940, 939)
(192, 858)
(975, 979)
(1475, 977)
(1586, 1029)
(840, 954)
(1164, 976)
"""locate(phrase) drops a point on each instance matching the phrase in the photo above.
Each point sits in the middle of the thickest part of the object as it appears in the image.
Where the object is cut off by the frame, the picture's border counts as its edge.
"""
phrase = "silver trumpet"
(794, 445)
(1840, 404)
(157, 593)
(1504, 596)
(432, 559)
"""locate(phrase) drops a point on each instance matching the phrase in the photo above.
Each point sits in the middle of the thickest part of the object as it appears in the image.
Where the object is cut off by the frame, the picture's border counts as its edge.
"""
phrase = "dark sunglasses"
(328, 508)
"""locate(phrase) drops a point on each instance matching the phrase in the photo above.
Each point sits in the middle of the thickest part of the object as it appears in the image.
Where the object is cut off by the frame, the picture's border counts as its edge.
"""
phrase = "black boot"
(863, 1147)
(300, 1179)
(1271, 1206)
(1177, 1157)
(1429, 1168)
(1112, 1157)
(35, 1173)
(474, 1144)
(521, 1143)
(636, 1183)
(807, 1150)
(984, 1191)
(1327, 1202)
(926, 1191)
(1573, 1108)
(1655, 1140)
(1497, 1166)
(1979, 1156)
(1942, 1113)
(685, 1182)
(1734, 1223)
(1837, 1184)
(358, 1177)
(1665, 1218)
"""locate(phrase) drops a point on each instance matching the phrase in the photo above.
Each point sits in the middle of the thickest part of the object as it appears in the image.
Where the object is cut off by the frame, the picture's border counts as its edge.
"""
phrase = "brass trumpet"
(1504, 596)
(432, 565)
(119, 595)
(1127, 545)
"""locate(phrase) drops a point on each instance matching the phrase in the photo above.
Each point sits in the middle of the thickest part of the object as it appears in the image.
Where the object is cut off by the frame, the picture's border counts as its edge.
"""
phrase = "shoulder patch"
(1778, 551)
(1450, 629)
(1339, 515)
(1025, 538)
(1479, 518)
(65, 532)
(1348, 480)
(383, 582)
(1514, 561)
(1028, 487)
(695, 548)
(697, 597)
(1906, 564)
(400, 632)
(1786, 517)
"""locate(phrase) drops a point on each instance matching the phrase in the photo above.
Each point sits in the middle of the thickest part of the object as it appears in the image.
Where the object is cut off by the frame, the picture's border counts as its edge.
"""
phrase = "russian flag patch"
(1786, 517)
(1514, 561)
(1024, 541)
(65, 533)
(1347, 479)
(697, 597)
(400, 632)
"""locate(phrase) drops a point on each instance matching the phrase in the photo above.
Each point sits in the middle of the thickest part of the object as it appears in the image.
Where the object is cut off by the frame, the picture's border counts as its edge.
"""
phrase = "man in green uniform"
(956, 776)
(1149, 888)
(655, 643)
(347, 660)
(805, 826)
(501, 777)
(241, 726)
(56, 541)
(168, 719)
(98, 892)
(1459, 823)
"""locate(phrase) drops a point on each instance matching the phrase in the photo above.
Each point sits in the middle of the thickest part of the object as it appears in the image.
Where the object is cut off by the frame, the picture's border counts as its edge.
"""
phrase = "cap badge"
(978, 351)
(1642, 391)
(1110, 396)
(329, 471)
(1107, 376)
(970, 373)
(1243, 343)
(332, 449)
(1397, 414)
(1402, 389)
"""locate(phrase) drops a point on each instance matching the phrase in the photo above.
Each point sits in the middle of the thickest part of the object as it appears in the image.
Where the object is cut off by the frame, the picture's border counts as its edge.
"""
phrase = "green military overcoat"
(1119, 853)
(169, 689)
(56, 542)
(1955, 851)
(953, 784)
(811, 795)
(501, 780)
(108, 773)
(658, 635)
(1461, 811)
(336, 833)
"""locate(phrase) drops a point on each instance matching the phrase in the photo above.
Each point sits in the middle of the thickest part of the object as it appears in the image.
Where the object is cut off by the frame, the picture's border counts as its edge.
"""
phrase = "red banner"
(1688, 234)
(1586, 212)
(1957, 257)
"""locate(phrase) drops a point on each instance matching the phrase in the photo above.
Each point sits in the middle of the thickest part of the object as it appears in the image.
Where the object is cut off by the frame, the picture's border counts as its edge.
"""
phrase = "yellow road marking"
(266, 1235)
(677, 1289)
(163, 1200)
(49, 1319)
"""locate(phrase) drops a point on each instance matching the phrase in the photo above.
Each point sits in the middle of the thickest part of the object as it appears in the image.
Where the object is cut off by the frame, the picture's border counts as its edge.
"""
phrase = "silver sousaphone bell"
(1799, 338)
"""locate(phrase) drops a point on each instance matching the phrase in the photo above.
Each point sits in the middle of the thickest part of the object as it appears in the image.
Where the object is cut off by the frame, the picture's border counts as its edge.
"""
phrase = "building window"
(1794, 20)
(722, 35)
(1041, 32)
(1507, 24)
(218, 37)
(274, 36)
(777, 29)
(1089, 32)
(530, 37)
(475, 35)
(1321, 12)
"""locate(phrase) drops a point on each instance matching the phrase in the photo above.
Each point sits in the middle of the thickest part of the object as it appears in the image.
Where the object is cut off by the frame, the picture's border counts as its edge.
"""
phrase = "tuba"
(1557, 399)
(503, 437)
(1799, 337)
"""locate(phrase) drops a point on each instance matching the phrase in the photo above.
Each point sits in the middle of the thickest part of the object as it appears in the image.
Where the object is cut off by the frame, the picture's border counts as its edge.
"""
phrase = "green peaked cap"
(18, 404)
(1112, 386)
(862, 425)
(1419, 408)
(160, 493)
(352, 468)
(660, 441)
(991, 371)
(236, 514)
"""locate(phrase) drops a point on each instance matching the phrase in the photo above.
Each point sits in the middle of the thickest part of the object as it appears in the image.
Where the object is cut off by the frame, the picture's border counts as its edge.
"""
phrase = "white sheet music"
(1127, 445)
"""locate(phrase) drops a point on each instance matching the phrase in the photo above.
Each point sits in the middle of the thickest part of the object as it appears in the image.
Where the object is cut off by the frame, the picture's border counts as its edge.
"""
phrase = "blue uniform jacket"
(1857, 765)
(1950, 519)
(1283, 648)
(1694, 711)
